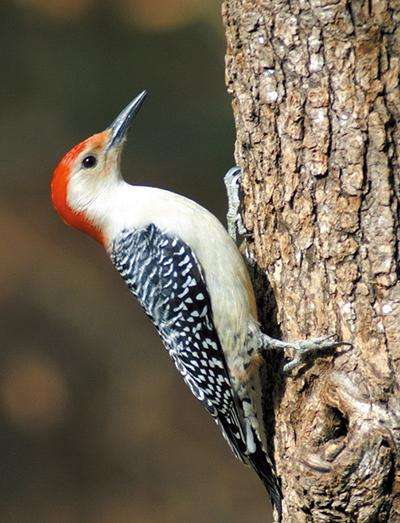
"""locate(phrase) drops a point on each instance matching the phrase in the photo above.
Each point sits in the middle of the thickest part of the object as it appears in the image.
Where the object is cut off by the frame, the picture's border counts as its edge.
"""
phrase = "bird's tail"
(261, 464)
(258, 460)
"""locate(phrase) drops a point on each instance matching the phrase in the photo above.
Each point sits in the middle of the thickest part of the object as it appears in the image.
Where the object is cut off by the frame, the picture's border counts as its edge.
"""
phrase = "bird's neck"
(122, 206)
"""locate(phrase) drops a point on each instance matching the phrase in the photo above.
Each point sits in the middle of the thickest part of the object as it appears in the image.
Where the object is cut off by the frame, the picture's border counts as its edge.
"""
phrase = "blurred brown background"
(95, 424)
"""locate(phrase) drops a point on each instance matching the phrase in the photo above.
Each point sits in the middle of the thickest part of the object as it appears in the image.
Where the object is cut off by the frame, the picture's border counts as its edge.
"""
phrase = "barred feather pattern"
(165, 276)
(167, 279)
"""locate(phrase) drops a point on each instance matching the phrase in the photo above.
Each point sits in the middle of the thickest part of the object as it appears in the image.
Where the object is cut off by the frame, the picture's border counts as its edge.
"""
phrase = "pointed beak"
(120, 126)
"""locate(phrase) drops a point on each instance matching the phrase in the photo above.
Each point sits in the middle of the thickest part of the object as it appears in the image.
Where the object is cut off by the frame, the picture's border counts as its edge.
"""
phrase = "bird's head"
(89, 169)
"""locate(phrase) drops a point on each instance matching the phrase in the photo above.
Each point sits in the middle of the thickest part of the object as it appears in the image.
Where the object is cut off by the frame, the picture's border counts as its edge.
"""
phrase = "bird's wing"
(166, 277)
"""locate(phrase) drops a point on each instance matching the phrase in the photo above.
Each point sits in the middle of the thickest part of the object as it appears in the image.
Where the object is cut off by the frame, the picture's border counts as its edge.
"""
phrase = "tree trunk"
(316, 100)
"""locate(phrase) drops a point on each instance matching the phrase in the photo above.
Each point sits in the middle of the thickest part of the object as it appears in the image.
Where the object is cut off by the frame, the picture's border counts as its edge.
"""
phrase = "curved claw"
(232, 181)
(233, 175)
(304, 349)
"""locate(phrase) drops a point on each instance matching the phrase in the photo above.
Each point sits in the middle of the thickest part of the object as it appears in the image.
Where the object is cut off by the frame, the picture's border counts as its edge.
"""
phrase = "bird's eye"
(89, 162)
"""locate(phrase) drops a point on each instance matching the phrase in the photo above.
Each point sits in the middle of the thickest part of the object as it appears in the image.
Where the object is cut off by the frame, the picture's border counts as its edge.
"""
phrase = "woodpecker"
(188, 275)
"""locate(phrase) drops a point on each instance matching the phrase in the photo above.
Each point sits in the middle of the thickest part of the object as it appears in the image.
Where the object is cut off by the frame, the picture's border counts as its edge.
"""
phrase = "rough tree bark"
(315, 86)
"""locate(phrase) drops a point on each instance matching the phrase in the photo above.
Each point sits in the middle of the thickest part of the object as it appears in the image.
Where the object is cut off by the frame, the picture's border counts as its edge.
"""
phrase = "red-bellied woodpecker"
(188, 275)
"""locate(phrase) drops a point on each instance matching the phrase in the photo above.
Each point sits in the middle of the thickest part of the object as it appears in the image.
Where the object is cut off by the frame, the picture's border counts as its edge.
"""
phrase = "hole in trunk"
(336, 425)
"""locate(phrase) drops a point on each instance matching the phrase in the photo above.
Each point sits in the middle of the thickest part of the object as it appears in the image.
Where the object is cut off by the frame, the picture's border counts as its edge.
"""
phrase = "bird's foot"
(234, 220)
(303, 350)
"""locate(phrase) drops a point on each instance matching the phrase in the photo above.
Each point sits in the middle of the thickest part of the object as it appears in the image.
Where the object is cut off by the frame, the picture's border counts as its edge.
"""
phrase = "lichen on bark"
(315, 89)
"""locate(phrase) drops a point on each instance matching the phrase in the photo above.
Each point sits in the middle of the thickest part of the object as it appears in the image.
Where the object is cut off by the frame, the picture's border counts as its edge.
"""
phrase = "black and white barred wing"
(165, 276)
